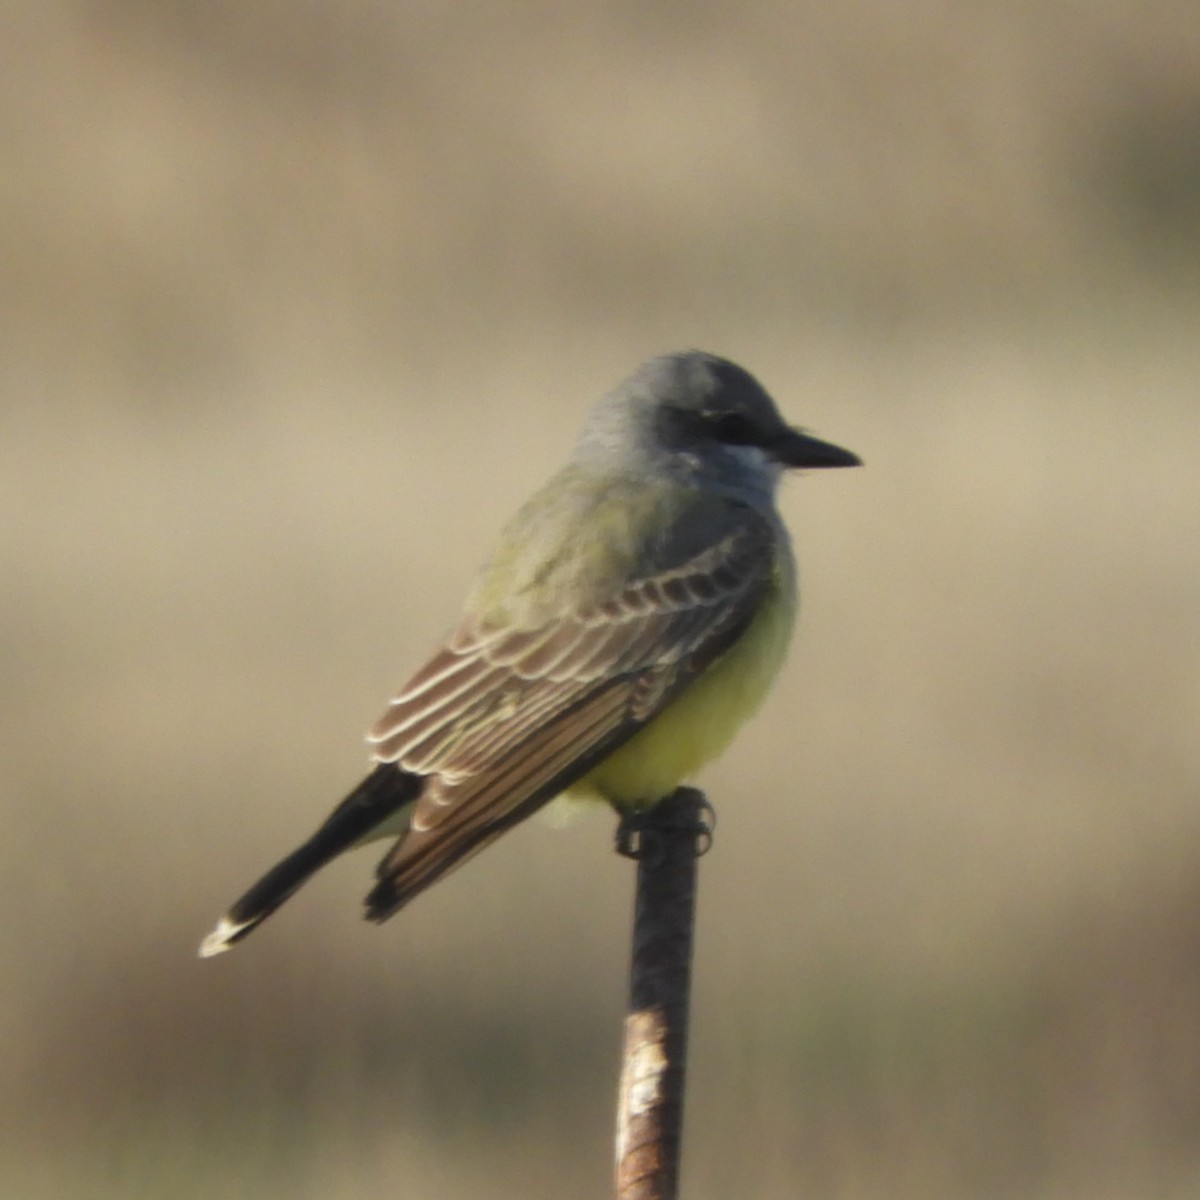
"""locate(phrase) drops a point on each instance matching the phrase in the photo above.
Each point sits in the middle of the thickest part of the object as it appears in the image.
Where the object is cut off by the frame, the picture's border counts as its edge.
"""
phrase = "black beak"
(796, 449)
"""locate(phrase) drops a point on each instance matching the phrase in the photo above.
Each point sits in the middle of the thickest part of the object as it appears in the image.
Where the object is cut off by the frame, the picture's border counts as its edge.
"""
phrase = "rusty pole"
(666, 842)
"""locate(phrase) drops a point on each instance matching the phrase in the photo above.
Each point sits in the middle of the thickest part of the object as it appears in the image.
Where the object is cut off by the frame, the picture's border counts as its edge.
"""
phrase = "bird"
(635, 612)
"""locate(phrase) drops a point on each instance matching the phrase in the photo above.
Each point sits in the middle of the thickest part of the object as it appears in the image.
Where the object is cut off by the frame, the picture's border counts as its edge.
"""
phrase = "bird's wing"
(502, 719)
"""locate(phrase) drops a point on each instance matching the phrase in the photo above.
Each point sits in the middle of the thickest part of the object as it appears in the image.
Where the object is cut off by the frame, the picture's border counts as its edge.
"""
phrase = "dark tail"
(378, 797)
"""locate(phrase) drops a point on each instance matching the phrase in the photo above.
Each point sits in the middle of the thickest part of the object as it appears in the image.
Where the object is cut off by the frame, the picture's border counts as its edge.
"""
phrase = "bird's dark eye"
(733, 428)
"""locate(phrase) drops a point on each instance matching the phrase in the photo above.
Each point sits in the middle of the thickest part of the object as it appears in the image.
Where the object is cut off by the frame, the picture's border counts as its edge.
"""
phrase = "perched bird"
(635, 612)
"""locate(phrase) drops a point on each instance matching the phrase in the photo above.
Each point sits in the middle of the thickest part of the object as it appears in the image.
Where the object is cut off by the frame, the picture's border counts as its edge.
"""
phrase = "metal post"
(665, 841)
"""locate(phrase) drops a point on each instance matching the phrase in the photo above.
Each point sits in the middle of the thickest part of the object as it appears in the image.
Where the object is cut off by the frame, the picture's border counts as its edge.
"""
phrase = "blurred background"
(300, 300)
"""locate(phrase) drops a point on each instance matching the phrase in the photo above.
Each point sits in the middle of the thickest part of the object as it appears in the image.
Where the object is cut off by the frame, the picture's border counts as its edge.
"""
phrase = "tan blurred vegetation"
(300, 299)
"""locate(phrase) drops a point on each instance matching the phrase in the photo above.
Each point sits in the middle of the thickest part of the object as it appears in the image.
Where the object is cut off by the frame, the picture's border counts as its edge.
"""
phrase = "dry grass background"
(300, 299)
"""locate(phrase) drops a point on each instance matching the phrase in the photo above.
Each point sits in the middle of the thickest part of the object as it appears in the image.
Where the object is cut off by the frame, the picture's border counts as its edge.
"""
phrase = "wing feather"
(442, 837)
(502, 719)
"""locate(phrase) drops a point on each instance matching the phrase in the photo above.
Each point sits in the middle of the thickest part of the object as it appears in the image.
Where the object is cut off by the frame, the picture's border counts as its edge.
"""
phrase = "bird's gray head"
(704, 420)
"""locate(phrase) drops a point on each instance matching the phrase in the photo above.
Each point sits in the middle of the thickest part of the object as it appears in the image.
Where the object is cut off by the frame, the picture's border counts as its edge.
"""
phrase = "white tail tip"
(223, 937)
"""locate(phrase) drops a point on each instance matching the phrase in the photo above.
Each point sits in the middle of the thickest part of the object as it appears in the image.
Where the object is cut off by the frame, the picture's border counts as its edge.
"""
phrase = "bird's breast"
(699, 724)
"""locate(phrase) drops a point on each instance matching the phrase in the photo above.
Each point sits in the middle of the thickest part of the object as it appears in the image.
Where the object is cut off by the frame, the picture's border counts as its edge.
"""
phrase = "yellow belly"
(699, 725)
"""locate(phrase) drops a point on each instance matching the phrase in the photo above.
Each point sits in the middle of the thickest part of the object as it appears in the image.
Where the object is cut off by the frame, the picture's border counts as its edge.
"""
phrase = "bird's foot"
(640, 832)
